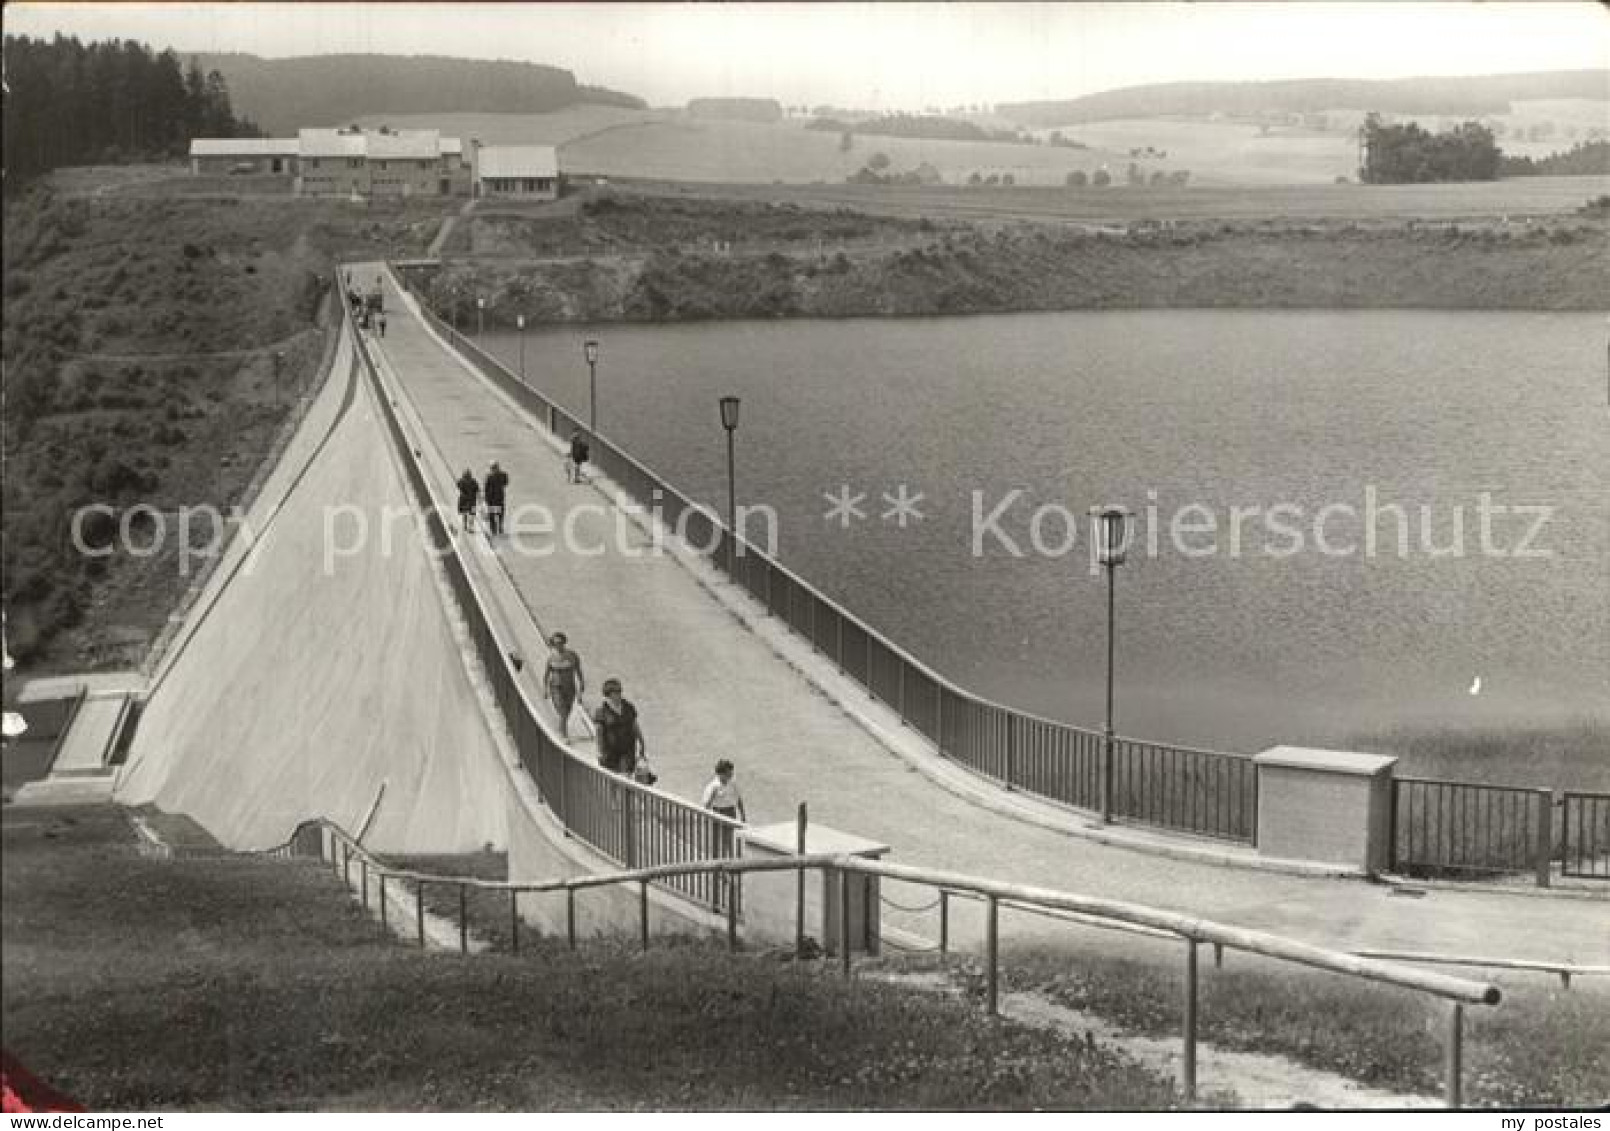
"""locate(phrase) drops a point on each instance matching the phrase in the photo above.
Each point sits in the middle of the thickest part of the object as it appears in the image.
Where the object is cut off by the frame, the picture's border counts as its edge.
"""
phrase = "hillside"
(327, 90)
(1473, 96)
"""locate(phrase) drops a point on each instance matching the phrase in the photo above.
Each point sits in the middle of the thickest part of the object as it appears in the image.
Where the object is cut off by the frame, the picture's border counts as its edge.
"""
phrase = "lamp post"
(1112, 541)
(729, 421)
(519, 321)
(480, 316)
(589, 350)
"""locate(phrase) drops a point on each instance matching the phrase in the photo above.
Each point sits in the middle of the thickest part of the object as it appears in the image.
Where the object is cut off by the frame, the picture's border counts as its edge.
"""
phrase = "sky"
(883, 56)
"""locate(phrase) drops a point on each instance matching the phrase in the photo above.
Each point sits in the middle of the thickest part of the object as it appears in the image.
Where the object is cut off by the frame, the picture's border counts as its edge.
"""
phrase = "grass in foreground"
(1542, 1046)
(241, 983)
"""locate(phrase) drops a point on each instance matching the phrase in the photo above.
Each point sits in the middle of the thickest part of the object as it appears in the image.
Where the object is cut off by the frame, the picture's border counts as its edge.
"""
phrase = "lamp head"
(590, 349)
(1111, 534)
(729, 413)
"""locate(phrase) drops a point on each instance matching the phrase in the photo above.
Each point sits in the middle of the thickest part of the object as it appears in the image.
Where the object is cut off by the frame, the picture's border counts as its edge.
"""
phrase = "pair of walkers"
(622, 749)
(495, 491)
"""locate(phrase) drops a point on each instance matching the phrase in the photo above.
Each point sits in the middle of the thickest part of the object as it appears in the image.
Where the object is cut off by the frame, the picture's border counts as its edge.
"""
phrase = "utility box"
(770, 907)
(1325, 806)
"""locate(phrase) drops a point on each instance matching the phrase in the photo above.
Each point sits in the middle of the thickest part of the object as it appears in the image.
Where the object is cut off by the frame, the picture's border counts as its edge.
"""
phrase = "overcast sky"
(882, 55)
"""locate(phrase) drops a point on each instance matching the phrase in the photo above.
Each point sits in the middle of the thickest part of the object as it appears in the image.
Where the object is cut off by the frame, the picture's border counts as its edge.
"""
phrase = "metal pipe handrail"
(1169, 922)
(839, 610)
(1564, 970)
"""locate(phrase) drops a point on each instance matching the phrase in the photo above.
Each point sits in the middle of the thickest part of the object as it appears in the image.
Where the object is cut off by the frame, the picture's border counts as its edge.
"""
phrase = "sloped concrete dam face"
(326, 675)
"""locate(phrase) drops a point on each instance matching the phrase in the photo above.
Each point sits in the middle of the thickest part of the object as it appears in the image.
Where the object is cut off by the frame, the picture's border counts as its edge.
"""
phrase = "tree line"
(71, 103)
(1586, 158)
(1409, 154)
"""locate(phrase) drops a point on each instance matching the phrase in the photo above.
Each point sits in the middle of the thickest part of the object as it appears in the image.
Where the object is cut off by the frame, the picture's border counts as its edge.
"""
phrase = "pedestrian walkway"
(709, 687)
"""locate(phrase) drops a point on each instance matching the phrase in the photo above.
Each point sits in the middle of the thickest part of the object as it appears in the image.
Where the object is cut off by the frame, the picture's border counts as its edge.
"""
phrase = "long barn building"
(359, 162)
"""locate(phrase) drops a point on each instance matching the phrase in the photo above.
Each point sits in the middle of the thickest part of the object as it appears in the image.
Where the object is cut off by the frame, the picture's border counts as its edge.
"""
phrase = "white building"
(529, 172)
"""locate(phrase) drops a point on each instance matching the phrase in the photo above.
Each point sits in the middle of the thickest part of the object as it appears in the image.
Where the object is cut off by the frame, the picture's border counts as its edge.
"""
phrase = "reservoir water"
(1344, 520)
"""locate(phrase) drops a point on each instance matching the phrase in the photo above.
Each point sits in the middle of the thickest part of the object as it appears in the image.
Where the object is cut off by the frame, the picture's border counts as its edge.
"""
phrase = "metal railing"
(330, 844)
(1203, 792)
(1459, 828)
(628, 823)
(1585, 835)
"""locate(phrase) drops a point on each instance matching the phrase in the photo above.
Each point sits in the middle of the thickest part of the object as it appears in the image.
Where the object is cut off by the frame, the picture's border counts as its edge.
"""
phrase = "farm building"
(243, 155)
(530, 172)
(345, 162)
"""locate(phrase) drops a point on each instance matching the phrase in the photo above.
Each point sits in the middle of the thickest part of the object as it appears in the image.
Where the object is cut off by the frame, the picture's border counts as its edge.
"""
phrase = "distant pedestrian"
(497, 482)
(620, 736)
(580, 453)
(380, 321)
(722, 796)
(468, 492)
(563, 679)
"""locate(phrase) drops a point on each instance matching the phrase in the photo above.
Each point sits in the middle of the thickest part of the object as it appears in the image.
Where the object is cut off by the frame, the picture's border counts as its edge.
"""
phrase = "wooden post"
(384, 926)
(732, 914)
(363, 874)
(944, 922)
(463, 921)
(562, 810)
(992, 956)
(642, 910)
(629, 823)
(1455, 1055)
(419, 911)
(844, 920)
(1218, 956)
(1188, 1067)
(1011, 751)
(570, 916)
(1544, 850)
(346, 864)
(514, 921)
(799, 886)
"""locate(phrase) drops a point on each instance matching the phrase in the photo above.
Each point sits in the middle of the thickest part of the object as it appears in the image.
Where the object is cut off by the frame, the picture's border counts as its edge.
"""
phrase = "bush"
(1078, 179)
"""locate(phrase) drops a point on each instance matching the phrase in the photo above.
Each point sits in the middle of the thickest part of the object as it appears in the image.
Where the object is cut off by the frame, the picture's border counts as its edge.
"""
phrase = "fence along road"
(707, 687)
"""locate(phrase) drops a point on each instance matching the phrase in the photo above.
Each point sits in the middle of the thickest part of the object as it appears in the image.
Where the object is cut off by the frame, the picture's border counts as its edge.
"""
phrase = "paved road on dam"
(709, 686)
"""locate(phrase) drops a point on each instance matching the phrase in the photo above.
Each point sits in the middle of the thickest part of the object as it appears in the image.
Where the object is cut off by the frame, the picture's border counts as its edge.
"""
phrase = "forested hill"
(283, 95)
(1465, 96)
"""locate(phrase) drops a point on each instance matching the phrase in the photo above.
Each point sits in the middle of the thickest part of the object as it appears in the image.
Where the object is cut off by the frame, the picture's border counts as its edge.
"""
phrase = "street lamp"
(480, 316)
(589, 350)
(1111, 529)
(519, 321)
(729, 421)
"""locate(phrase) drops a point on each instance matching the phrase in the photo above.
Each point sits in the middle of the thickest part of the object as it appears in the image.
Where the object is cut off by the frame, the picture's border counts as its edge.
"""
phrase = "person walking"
(563, 679)
(620, 735)
(468, 492)
(497, 482)
(380, 320)
(722, 796)
(580, 452)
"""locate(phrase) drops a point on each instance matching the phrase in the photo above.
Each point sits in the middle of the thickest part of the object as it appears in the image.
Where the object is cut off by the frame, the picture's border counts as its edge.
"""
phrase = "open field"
(290, 997)
(1516, 198)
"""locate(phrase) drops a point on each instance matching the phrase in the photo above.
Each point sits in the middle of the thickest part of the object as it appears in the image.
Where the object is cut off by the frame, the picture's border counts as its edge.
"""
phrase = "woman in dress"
(564, 680)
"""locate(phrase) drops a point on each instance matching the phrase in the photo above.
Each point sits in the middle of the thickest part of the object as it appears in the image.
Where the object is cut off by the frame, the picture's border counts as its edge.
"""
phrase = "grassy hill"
(1466, 96)
(245, 984)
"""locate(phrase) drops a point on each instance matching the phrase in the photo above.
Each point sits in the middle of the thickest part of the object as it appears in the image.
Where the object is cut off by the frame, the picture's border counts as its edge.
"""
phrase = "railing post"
(419, 910)
(384, 926)
(732, 913)
(799, 886)
(629, 818)
(844, 920)
(642, 911)
(363, 874)
(463, 921)
(562, 810)
(1011, 749)
(992, 993)
(1218, 956)
(1544, 849)
(1188, 1066)
(346, 863)
(944, 922)
(514, 921)
(570, 916)
(1455, 1055)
